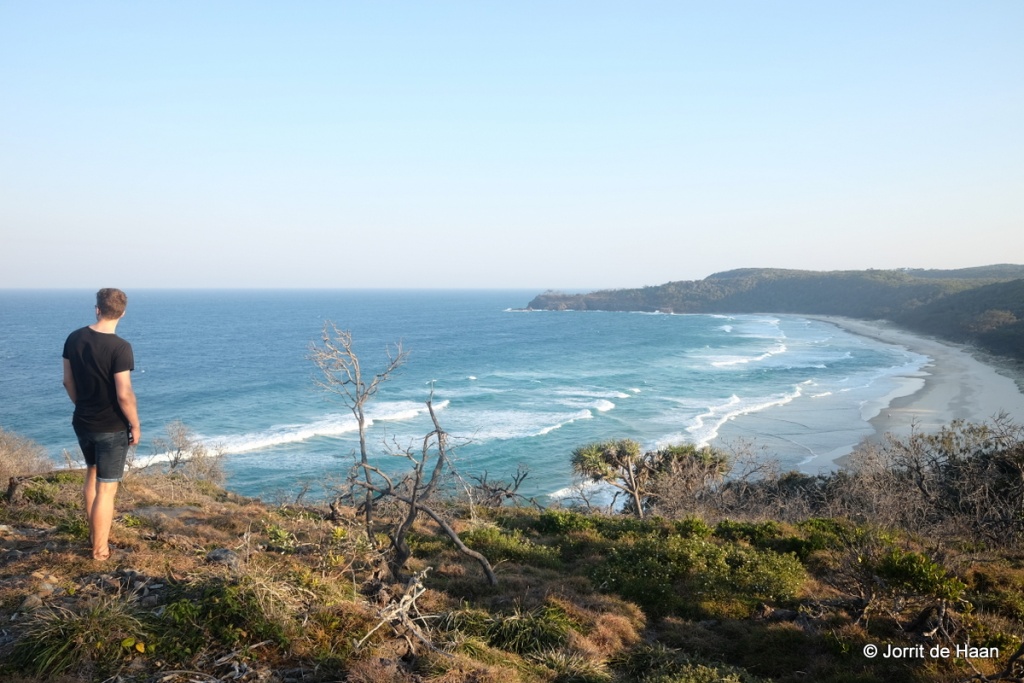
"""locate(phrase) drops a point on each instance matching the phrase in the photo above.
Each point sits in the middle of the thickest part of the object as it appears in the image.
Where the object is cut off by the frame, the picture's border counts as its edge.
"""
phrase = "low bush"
(670, 575)
(224, 613)
(521, 632)
(915, 574)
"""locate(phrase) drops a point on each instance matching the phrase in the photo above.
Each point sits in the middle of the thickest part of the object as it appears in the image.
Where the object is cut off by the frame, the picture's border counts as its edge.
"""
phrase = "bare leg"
(101, 518)
(90, 495)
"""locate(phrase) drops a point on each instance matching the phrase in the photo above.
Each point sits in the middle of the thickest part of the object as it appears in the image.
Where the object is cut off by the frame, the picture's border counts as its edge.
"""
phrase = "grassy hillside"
(779, 577)
(981, 306)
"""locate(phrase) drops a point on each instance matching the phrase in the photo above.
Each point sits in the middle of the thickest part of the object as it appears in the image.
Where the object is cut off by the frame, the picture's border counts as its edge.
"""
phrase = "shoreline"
(954, 384)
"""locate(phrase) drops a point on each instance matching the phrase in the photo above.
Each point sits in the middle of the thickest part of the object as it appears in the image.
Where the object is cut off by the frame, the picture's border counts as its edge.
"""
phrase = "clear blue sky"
(515, 144)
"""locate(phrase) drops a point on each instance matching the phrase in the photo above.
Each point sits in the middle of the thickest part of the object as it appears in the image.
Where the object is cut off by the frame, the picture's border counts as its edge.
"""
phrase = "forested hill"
(983, 306)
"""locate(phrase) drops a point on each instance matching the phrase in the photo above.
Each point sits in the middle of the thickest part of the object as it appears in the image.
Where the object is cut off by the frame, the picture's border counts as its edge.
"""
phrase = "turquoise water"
(512, 387)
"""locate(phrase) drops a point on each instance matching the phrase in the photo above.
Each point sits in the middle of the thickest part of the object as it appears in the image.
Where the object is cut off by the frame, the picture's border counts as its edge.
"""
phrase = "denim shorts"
(106, 451)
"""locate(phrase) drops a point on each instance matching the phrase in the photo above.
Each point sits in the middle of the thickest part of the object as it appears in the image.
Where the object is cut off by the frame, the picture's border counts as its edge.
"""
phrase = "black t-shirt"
(95, 358)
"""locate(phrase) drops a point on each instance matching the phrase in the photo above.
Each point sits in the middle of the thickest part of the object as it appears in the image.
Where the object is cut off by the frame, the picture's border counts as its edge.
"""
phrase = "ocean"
(512, 387)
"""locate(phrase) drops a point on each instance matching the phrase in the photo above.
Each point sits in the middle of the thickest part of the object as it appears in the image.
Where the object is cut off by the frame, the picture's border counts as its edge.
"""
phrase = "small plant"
(99, 636)
(532, 631)
(73, 524)
(692, 527)
(659, 664)
(573, 667)
(189, 456)
(41, 493)
(279, 536)
(65, 478)
(20, 456)
(130, 521)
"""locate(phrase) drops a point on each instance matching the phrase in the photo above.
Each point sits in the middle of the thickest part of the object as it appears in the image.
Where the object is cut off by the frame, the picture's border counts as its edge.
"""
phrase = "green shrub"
(424, 544)
(74, 524)
(563, 521)
(618, 526)
(692, 527)
(225, 613)
(65, 478)
(41, 492)
(831, 533)
(512, 546)
(758, 534)
(531, 631)
(521, 632)
(917, 574)
(763, 575)
(662, 574)
(1000, 591)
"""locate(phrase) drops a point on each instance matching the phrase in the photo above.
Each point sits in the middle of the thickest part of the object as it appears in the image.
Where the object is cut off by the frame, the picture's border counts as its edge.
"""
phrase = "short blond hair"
(111, 303)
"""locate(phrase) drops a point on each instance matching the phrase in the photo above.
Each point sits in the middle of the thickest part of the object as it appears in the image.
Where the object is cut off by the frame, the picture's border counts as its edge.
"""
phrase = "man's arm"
(69, 382)
(126, 399)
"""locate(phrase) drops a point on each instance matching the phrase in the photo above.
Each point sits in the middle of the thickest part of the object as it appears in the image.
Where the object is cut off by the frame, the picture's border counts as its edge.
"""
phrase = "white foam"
(588, 393)
(907, 386)
(598, 493)
(334, 425)
(582, 415)
(604, 406)
(501, 425)
(728, 361)
(706, 425)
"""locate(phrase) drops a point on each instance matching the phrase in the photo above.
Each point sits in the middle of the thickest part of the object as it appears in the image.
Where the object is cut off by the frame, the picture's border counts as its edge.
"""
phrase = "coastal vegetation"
(983, 306)
(739, 572)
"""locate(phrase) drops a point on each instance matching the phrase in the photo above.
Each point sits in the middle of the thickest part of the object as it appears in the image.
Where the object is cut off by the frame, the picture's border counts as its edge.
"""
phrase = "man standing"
(97, 376)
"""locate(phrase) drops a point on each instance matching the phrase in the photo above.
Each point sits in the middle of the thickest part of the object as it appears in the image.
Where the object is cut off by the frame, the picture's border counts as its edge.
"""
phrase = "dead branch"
(390, 490)
(398, 614)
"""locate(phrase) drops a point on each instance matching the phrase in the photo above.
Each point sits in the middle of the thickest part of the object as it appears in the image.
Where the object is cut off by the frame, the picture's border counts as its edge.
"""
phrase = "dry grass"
(20, 456)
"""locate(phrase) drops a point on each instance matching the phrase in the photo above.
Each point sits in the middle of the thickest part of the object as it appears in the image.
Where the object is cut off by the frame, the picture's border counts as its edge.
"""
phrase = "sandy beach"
(952, 384)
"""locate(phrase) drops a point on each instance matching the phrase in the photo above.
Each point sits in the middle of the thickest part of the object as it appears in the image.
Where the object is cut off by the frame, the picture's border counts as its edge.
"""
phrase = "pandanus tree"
(624, 465)
(619, 463)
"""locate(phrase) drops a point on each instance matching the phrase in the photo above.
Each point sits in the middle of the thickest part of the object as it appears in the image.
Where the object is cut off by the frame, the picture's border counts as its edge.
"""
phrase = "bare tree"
(414, 490)
(967, 475)
(20, 459)
(494, 493)
(188, 455)
(342, 374)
